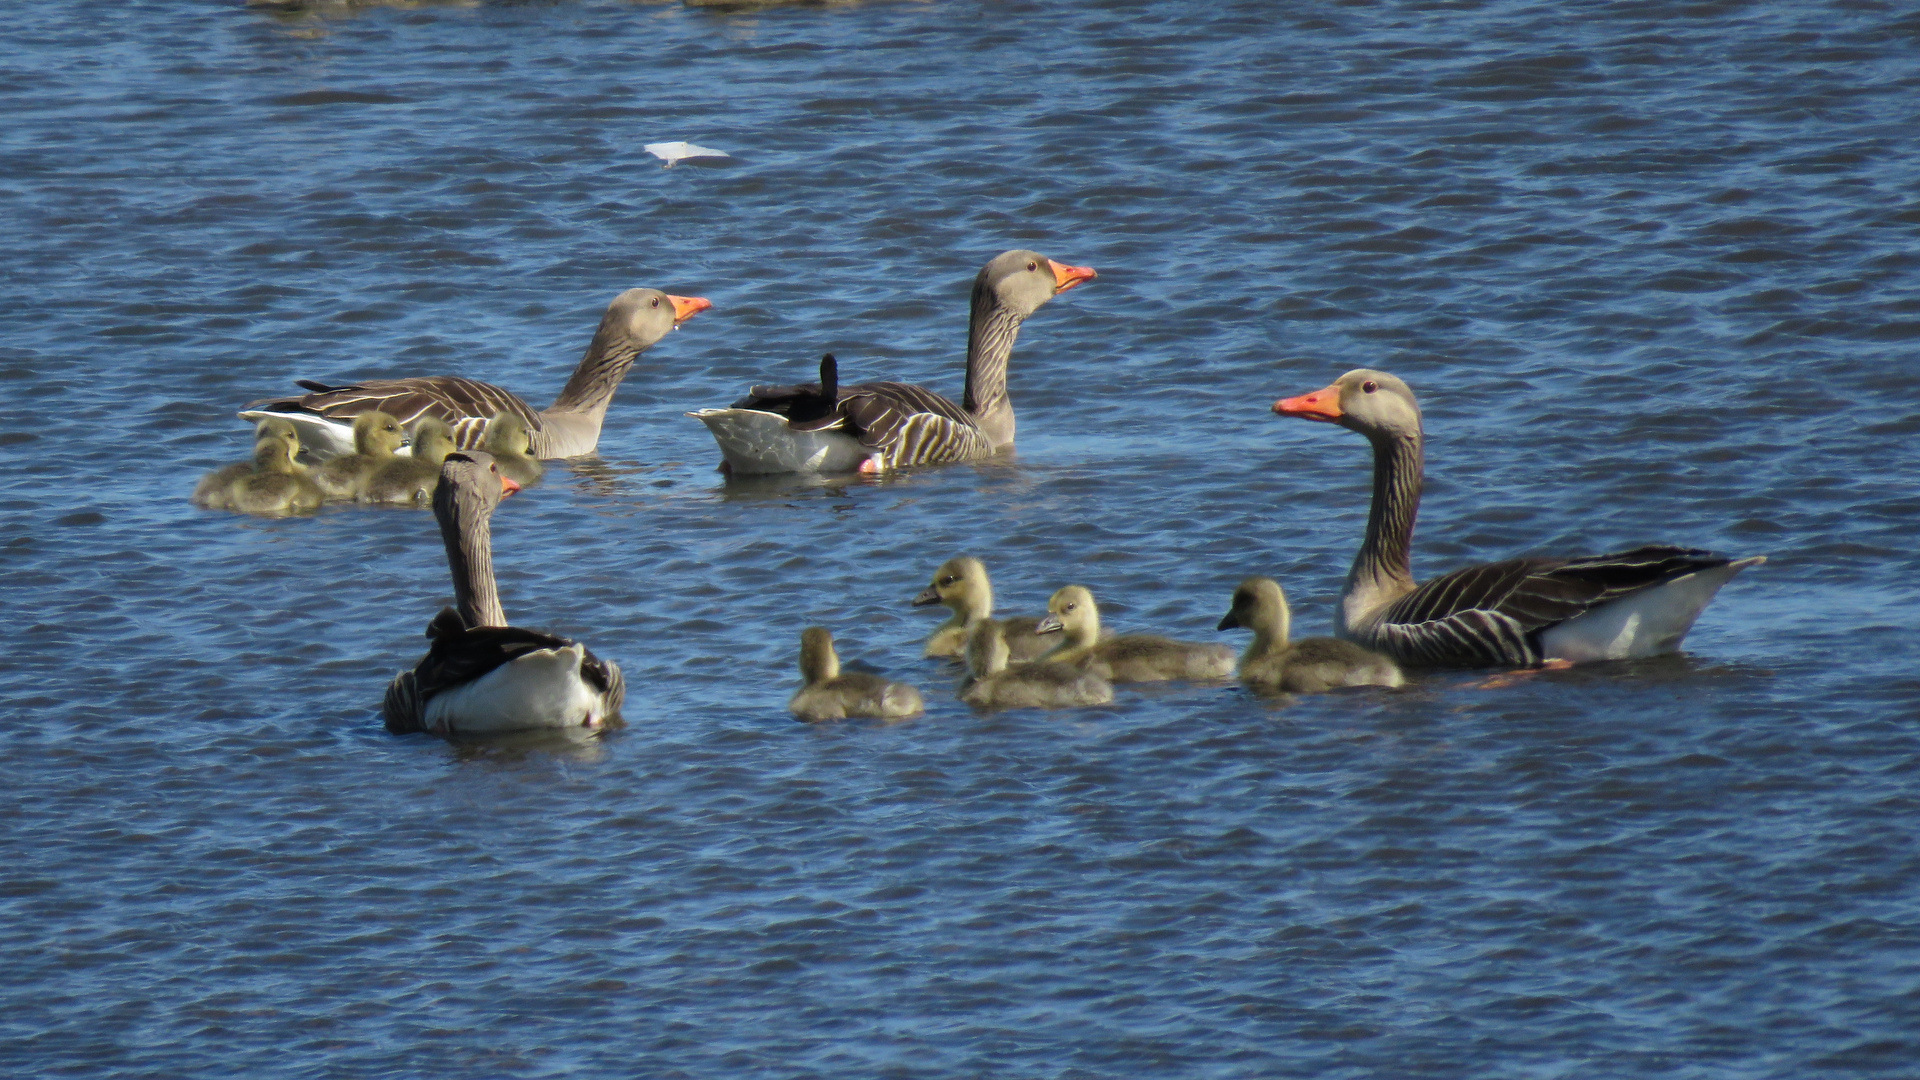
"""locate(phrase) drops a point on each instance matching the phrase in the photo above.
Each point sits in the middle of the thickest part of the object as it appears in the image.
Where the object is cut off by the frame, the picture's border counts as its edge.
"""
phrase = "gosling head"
(280, 430)
(273, 453)
(506, 434)
(961, 584)
(1071, 610)
(1021, 281)
(1260, 605)
(377, 434)
(433, 440)
(818, 661)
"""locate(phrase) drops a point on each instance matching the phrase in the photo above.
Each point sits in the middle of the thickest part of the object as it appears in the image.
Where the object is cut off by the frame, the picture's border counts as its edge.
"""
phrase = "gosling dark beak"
(927, 596)
(1048, 625)
(1228, 622)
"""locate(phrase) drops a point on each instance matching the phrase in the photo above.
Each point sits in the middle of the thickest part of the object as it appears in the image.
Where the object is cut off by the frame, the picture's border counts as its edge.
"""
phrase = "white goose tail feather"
(542, 689)
(1648, 622)
(753, 441)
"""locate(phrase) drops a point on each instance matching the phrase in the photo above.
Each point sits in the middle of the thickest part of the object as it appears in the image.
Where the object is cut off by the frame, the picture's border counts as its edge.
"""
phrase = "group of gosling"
(1063, 659)
(389, 464)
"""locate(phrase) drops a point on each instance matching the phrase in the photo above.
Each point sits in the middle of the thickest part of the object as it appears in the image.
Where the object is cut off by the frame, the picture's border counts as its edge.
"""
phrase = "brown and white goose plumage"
(1518, 612)
(570, 427)
(482, 676)
(872, 427)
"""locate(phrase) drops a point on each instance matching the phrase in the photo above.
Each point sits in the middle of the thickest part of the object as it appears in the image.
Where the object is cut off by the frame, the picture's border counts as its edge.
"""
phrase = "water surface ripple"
(1652, 268)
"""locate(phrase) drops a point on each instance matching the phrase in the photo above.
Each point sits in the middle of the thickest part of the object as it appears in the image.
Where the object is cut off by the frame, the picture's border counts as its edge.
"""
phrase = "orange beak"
(1322, 405)
(1066, 277)
(507, 486)
(686, 307)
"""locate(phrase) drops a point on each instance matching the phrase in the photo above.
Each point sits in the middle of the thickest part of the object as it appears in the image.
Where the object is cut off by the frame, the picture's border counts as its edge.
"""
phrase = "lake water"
(1651, 267)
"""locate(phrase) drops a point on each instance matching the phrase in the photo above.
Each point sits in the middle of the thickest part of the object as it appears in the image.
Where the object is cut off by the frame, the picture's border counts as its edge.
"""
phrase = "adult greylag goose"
(1038, 684)
(873, 427)
(568, 428)
(214, 491)
(512, 449)
(411, 480)
(961, 584)
(1307, 666)
(1518, 612)
(277, 484)
(481, 676)
(828, 694)
(1128, 657)
(376, 435)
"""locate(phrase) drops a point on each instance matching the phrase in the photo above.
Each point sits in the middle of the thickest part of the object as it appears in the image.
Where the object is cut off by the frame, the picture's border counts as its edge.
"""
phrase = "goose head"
(1071, 610)
(639, 317)
(818, 661)
(987, 651)
(1373, 403)
(471, 482)
(507, 435)
(1259, 605)
(377, 434)
(433, 440)
(1021, 281)
(961, 584)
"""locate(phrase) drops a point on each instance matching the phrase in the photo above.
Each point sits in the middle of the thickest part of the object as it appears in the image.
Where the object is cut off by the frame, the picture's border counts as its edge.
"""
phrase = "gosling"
(826, 694)
(961, 584)
(376, 435)
(411, 480)
(277, 485)
(1037, 684)
(512, 449)
(214, 491)
(1308, 666)
(1129, 657)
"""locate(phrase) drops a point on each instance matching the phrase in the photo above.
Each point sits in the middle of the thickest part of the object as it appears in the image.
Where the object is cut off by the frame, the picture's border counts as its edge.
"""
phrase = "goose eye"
(1369, 386)
(656, 302)
(1033, 266)
(1070, 607)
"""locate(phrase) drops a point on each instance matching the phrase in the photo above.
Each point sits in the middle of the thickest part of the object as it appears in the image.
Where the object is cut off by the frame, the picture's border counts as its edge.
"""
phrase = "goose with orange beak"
(570, 427)
(481, 676)
(874, 427)
(1520, 612)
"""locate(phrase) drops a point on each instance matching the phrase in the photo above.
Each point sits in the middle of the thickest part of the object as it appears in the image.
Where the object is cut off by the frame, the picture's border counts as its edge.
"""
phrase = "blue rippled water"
(1651, 267)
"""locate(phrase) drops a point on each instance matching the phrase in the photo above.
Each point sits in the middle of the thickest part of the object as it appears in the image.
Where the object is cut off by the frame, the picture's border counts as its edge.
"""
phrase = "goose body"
(873, 427)
(1073, 614)
(962, 585)
(512, 449)
(1038, 684)
(481, 676)
(1518, 612)
(215, 490)
(826, 693)
(633, 322)
(376, 435)
(1275, 662)
(411, 480)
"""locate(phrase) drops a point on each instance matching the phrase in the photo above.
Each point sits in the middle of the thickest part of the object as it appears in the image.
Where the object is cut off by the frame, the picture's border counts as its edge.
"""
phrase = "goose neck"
(990, 338)
(468, 535)
(1383, 569)
(590, 390)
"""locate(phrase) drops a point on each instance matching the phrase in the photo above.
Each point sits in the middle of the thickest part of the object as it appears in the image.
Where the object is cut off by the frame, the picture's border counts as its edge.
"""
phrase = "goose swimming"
(1129, 657)
(481, 676)
(1515, 613)
(961, 584)
(873, 427)
(826, 693)
(1038, 684)
(1306, 666)
(570, 427)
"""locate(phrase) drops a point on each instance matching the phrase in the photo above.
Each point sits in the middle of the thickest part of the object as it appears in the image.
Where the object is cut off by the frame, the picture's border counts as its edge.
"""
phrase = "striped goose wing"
(913, 425)
(465, 404)
(1494, 614)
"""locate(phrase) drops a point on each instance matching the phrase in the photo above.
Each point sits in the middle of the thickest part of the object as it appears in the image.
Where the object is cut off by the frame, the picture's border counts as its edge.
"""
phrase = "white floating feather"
(671, 152)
